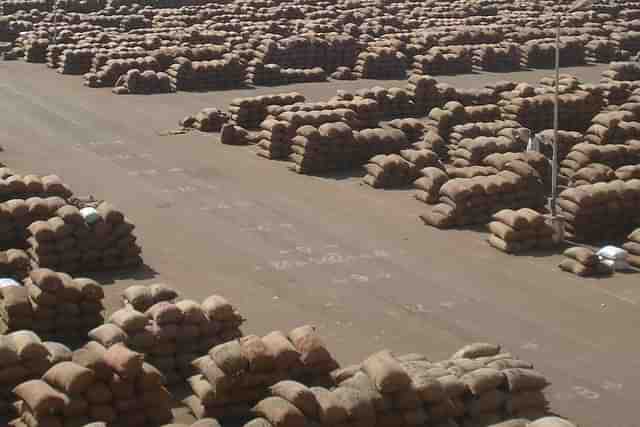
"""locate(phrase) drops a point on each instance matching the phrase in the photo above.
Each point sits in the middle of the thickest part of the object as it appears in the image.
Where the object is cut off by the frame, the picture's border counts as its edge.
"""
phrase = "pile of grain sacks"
(443, 60)
(614, 127)
(142, 82)
(583, 262)
(600, 212)
(24, 357)
(171, 335)
(398, 170)
(52, 304)
(519, 231)
(465, 201)
(17, 214)
(14, 186)
(424, 92)
(114, 386)
(380, 63)
(623, 71)
(237, 374)
(477, 386)
(251, 111)
(612, 156)
(84, 240)
(206, 120)
(228, 72)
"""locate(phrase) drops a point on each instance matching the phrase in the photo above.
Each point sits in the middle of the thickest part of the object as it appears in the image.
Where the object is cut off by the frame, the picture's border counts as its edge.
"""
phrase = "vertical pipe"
(554, 166)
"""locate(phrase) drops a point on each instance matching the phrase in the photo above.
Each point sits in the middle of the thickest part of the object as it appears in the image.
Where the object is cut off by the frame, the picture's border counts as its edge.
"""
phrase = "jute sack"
(298, 395)
(70, 377)
(28, 346)
(280, 413)
(386, 372)
(308, 343)
(329, 410)
(584, 256)
(475, 350)
(229, 358)
(280, 349)
(41, 398)
(483, 380)
(127, 363)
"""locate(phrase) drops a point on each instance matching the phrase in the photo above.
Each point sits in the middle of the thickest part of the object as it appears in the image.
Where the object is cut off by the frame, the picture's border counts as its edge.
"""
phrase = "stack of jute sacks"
(473, 151)
(24, 357)
(201, 75)
(397, 170)
(53, 304)
(74, 61)
(614, 127)
(145, 82)
(114, 386)
(424, 92)
(536, 112)
(477, 386)
(172, 335)
(70, 242)
(250, 112)
(519, 231)
(632, 246)
(206, 120)
(237, 374)
(601, 211)
(107, 74)
(443, 60)
(465, 201)
(623, 71)
(15, 186)
(205, 422)
(380, 63)
(566, 141)
(141, 297)
(326, 148)
(504, 57)
(541, 53)
(583, 262)
(614, 156)
(392, 102)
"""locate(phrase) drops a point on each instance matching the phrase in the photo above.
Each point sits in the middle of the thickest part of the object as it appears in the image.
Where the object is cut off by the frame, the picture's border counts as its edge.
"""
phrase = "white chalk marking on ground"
(145, 155)
(243, 204)
(289, 226)
(585, 392)
(447, 304)
(186, 189)
(304, 250)
(176, 170)
(122, 156)
(360, 278)
(133, 173)
(149, 172)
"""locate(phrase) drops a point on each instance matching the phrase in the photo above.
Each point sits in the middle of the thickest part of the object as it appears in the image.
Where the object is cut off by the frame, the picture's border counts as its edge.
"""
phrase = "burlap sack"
(93, 359)
(575, 267)
(99, 393)
(129, 320)
(28, 346)
(75, 406)
(108, 335)
(41, 398)
(298, 395)
(138, 296)
(504, 246)
(70, 377)
(280, 413)
(357, 408)
(164, 312)
(308, 343)
(519, 402)
(329, 410)
(281, 350)
(57, 352)
(229, 358)
(551, 422)
(255, 352)
(364, 384)
(126, 363)
(584, 256)
(217, 308)
(8, 352)
(46, 279)
(483, 380)
(192, 312)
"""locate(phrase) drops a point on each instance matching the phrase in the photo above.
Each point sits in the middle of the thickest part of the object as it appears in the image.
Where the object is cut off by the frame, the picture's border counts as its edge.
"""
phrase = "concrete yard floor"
(290, 250)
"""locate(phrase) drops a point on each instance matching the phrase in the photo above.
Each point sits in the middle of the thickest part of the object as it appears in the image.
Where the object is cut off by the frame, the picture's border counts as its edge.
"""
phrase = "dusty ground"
(290, 249)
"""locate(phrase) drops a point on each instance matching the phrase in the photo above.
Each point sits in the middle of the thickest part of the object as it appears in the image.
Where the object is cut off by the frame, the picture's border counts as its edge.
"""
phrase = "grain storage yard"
(287, 214)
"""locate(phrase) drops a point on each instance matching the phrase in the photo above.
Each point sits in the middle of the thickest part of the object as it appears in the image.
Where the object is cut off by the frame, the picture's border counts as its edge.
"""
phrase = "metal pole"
(554, 166)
